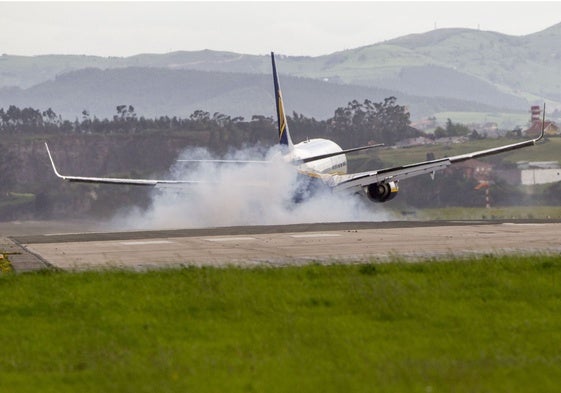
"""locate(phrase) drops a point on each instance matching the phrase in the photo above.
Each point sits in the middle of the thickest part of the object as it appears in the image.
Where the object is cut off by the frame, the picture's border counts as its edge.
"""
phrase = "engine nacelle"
(381, 192)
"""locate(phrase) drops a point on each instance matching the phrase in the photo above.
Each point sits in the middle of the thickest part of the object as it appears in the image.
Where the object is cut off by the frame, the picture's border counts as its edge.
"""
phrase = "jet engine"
(381, 192)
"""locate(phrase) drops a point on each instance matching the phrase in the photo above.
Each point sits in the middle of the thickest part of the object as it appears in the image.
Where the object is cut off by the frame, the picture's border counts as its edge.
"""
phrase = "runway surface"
(293, 244)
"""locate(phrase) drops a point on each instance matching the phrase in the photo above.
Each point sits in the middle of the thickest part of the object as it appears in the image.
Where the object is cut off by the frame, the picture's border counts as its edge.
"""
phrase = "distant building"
(539, 172)
(449, 140)
(531, 177)
(537, 165)
(410, 142)
(532, 173)
(550, 128)
(536, 111)
(427, 124)
(488, 129)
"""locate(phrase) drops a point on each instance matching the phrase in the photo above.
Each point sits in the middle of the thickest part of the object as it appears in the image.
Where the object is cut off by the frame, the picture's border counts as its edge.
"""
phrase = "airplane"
(324, 164)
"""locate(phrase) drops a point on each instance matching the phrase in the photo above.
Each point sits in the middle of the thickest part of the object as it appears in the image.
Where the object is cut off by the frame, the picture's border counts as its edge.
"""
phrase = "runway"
(293, 244)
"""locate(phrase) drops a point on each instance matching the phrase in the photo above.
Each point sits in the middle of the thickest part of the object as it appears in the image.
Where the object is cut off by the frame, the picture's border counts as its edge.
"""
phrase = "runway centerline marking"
(143, 243)
(525, 224)
(316, 235)
(229, 239)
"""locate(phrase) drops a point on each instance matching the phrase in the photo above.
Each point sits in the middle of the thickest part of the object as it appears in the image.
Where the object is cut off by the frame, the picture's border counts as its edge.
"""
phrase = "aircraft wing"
(227, 161)
(110, 180)
(356, 181)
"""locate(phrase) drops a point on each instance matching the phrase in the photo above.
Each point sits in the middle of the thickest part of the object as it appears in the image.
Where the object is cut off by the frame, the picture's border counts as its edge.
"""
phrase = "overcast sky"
(292, 28)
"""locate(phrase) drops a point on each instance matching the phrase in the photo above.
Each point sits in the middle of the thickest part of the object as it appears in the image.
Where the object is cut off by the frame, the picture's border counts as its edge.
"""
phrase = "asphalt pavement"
(290, 244)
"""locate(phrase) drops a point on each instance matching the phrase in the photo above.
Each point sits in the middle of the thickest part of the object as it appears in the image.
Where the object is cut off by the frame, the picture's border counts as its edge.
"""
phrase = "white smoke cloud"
(243, 194)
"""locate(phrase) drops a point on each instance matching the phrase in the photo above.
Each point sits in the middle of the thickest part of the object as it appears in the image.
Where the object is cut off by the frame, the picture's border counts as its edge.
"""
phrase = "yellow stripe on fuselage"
(320, 175)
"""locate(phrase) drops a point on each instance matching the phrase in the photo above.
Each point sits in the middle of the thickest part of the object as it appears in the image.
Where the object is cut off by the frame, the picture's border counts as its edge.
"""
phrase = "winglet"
(284, 134)
(53, 163)
(543, 125)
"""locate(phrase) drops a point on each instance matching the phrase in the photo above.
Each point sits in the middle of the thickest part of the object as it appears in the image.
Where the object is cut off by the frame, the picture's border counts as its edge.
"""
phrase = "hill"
(157, 91)
(488, 68)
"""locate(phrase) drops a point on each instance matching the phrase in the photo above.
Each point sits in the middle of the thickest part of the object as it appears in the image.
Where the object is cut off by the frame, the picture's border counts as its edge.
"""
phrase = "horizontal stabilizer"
(338, 153)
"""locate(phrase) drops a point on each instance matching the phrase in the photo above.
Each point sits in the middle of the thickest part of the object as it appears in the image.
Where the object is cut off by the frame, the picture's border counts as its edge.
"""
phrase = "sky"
(292, 28)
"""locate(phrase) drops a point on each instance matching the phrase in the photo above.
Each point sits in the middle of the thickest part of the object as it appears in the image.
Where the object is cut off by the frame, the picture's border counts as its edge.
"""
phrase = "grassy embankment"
(488, 325)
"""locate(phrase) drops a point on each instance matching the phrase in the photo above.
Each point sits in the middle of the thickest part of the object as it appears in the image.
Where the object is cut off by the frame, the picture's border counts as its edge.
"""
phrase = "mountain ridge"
(490, 69)
(159, 92)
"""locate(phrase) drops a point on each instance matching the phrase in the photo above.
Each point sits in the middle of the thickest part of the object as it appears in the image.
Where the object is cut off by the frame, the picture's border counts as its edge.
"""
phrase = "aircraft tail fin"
(284, 134)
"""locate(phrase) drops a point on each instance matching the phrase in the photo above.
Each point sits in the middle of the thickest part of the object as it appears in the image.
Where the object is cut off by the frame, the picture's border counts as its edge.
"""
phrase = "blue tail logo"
(284, 134)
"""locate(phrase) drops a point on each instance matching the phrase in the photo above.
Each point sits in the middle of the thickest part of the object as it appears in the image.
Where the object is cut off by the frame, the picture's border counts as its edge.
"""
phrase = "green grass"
(499, 213)
(14, 199)
(504, 120)
(487, 325)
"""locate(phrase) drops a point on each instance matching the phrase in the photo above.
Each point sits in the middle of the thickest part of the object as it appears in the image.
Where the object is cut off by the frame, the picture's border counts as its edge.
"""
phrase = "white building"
(532, 173)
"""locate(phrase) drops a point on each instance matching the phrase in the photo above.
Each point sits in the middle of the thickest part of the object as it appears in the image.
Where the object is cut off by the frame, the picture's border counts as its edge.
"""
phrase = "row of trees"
(14, 120)
(357, 123)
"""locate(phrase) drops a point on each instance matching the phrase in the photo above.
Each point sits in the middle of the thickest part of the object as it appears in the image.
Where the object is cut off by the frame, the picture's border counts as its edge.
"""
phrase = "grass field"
(498, 213)
(504, 120)
(487, 325)
(13, 199)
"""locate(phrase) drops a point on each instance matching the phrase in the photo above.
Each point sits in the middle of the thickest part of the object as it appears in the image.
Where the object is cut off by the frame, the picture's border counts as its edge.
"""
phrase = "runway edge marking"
(230, 239)
(145, 243)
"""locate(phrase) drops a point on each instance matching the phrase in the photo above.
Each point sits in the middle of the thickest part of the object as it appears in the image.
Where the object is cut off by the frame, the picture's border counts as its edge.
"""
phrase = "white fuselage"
(316, 147)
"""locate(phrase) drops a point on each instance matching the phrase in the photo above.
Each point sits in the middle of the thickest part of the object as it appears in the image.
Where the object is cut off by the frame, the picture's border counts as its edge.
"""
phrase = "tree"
(451, 130)
(13, 115)
(49, 116)
(369, 121)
